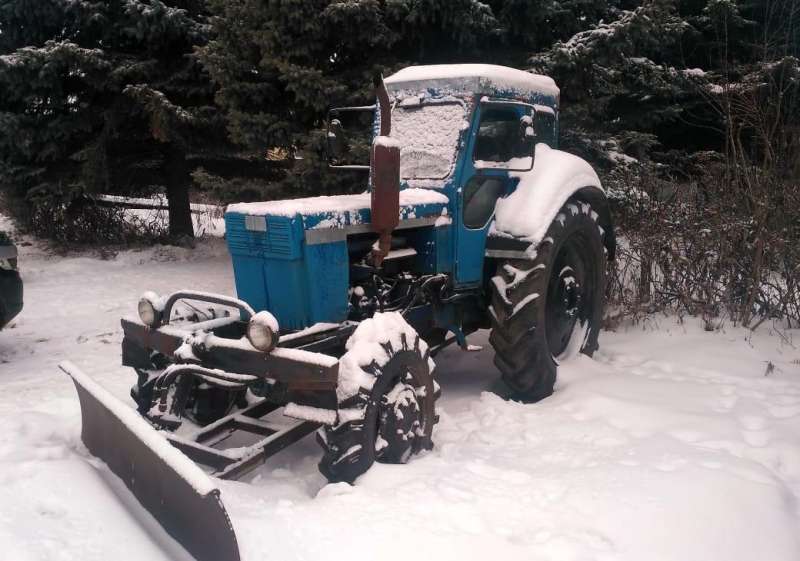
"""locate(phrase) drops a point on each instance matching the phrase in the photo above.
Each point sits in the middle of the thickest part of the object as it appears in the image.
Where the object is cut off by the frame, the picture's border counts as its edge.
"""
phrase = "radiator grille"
(258, 235)
(279, 234)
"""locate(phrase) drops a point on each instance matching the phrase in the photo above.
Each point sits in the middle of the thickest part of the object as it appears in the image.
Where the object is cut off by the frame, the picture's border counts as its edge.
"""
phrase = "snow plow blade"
(182, 498)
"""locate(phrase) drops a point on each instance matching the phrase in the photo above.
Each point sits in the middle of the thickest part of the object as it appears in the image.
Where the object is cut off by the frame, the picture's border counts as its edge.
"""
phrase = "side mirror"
(334, 146)
(349, 137)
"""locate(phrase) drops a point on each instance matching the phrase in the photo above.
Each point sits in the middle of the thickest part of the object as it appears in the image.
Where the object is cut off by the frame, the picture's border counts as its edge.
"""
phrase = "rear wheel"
(549, 308)
(386, 401)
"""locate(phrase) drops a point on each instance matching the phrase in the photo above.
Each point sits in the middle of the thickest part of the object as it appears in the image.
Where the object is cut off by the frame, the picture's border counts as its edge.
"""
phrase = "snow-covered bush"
(82, 220)
(722, 246)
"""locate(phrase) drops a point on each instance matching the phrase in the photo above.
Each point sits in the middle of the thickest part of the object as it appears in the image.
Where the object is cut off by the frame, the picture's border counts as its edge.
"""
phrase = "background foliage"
(688, 108)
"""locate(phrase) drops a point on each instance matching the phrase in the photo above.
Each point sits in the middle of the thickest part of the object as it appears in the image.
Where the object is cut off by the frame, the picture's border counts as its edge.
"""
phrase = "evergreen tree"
(125, 96)
(622, 82)
(105, 96)
(280, 65)
(646, 82)
(535, 25)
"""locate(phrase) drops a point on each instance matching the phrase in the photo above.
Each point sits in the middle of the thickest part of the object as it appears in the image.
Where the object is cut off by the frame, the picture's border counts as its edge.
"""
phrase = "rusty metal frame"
(243, 307)
(199, 445)
(296, 374)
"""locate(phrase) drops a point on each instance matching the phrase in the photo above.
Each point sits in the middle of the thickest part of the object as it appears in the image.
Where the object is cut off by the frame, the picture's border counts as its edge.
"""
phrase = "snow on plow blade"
(169, 485)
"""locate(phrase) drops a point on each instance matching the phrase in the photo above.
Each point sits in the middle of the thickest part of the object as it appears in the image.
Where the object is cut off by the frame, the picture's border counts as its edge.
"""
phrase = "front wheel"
(547, 309)
(386, 400)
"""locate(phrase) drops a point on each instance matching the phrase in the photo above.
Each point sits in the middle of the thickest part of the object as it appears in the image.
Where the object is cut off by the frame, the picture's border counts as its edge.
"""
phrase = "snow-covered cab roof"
(482, 79)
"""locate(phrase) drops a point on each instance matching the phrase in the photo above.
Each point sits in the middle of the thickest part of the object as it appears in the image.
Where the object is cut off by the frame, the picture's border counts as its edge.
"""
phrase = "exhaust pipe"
(385, 174)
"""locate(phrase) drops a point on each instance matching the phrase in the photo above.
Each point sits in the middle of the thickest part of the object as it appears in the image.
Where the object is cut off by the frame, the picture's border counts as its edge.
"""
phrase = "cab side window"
(480, 197)
(498, 136)
(545, 125)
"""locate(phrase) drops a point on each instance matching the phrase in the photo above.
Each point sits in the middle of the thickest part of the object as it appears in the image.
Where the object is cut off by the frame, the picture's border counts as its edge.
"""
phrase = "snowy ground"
(672, 443)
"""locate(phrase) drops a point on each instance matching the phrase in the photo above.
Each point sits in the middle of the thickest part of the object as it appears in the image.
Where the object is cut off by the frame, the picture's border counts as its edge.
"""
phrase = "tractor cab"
(463, 132)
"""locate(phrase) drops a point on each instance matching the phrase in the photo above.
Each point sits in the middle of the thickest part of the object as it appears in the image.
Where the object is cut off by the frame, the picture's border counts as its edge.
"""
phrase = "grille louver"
(268, 236)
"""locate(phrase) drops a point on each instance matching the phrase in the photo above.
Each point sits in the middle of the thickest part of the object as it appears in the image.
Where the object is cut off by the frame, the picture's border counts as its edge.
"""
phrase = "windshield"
(428, 134)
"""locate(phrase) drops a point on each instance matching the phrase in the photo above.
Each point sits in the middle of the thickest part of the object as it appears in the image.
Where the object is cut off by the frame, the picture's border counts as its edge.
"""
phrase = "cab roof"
(486, 79)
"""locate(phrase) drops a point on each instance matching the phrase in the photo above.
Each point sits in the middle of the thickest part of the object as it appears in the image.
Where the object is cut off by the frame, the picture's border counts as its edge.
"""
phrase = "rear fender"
(523, 217)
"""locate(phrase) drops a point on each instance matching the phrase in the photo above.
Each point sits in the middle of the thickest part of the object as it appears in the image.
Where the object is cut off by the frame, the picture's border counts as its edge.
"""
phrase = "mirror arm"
(352, 167)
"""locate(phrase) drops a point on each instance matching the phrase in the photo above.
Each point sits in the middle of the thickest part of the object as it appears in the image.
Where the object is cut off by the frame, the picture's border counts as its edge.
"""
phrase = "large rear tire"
(547, 309)
(386, 400)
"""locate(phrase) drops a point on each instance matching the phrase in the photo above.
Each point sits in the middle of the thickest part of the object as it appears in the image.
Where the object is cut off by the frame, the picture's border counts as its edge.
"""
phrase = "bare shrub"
(719, 246)
(84, 221)
(726, 242)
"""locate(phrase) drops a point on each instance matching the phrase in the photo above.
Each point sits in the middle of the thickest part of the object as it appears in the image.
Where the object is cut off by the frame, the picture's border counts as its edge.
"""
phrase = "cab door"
(501, 142)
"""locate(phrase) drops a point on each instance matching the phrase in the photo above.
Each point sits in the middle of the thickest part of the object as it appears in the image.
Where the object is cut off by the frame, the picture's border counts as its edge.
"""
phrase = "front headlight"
(262, 331)
(150, 309)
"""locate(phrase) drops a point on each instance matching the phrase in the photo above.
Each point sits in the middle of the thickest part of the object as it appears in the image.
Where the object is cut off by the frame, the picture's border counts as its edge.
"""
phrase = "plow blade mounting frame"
(183, 499)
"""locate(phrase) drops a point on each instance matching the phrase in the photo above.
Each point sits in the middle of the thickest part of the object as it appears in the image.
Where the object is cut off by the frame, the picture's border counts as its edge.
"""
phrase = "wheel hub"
(400, 419)
(565, 296)
(569, 293)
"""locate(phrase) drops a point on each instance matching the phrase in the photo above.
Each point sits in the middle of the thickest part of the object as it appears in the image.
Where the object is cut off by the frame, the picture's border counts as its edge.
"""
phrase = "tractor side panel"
(444, 249)
(434, 249)
(327, 278)
(287, 291)
(248, 272)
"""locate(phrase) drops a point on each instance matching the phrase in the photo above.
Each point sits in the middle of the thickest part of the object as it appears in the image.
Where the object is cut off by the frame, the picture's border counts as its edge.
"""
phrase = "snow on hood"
(334, 204)
(526, 212)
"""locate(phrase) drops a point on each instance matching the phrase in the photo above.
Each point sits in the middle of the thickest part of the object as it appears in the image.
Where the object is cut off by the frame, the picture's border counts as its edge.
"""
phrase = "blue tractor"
(473, 219)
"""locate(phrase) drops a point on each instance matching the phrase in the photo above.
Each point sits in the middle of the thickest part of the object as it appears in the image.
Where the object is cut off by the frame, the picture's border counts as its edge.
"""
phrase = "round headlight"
(148, 312)
(262, 331)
